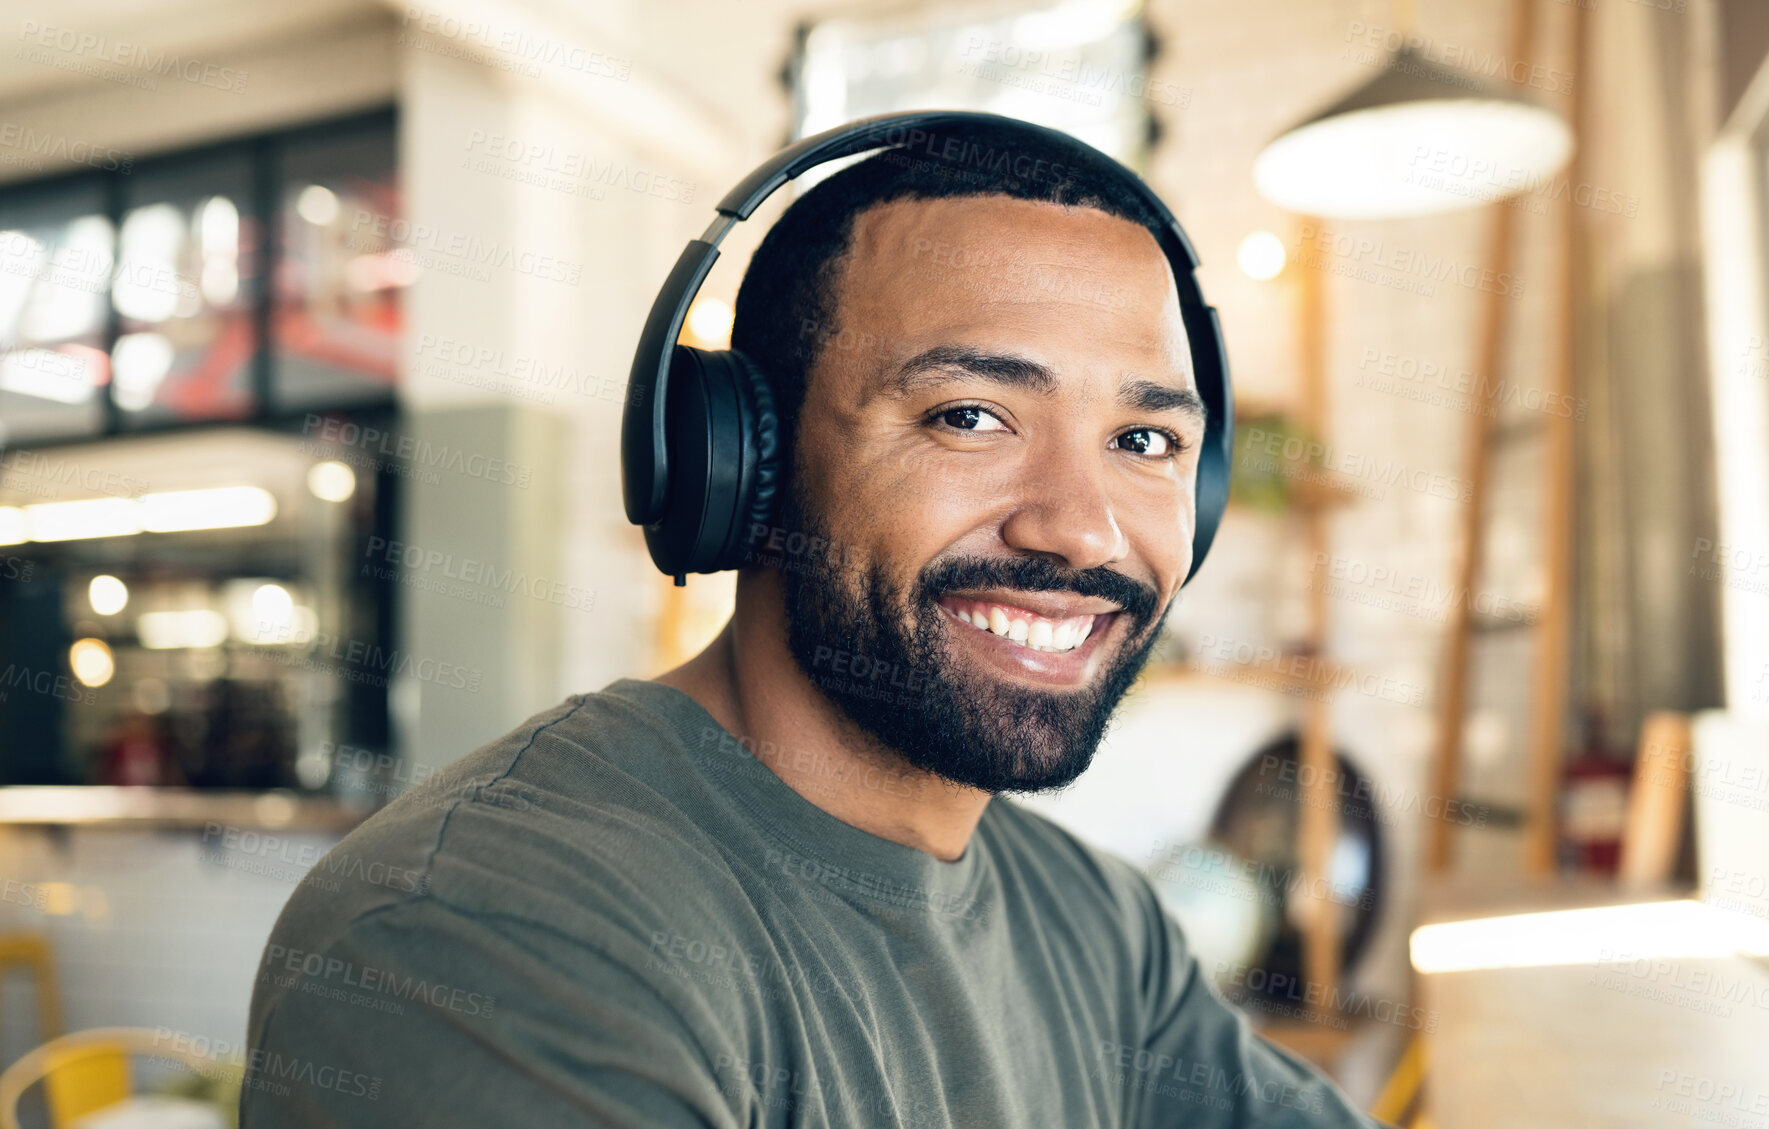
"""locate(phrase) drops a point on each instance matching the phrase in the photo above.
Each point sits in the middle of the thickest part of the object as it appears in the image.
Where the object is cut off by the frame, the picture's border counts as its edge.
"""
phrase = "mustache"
(1037, 574)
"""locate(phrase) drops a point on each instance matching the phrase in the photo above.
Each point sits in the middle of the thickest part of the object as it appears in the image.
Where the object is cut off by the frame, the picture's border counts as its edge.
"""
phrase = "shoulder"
(576, 824)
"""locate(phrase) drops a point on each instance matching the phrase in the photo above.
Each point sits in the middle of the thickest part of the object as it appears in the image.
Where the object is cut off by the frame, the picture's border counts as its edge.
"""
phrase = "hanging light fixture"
(1418, 138)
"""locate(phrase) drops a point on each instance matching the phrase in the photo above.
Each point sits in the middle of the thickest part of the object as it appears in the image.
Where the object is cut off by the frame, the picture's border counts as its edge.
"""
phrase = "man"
(777, 885)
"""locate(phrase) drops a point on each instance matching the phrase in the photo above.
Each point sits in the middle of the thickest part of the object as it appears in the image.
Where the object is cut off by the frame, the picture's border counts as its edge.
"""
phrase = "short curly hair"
(786, 304)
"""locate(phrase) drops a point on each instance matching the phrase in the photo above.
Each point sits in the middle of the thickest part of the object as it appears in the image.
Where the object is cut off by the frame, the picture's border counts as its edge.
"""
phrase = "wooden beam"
(1318, 820)
(1452, 701)
(1554, 626)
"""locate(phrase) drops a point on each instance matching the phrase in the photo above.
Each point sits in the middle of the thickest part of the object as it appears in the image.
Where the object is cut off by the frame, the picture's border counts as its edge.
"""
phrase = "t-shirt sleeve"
(418, 1014)
(1201, 1064)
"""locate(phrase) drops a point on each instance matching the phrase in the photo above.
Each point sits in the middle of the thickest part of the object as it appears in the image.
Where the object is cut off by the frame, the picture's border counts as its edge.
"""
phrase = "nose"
(1065, 511)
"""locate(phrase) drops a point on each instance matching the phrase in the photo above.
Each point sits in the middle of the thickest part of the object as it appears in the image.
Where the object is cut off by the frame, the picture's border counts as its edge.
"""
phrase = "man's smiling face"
(1003, 441)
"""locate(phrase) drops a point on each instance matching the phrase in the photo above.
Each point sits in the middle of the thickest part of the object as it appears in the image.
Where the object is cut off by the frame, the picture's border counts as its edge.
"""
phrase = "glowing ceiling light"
(223, 507)
(107, 595)
(218, 226)
(139, 362)
(331, 481)
(1261, 256)
(1410, 142)
(47, 374)
(91, 662)
(69, 300)
(317, 204)
(19, 255)
(148, 287)
(272, 602)
(218, 223)
(195, 628)
(1651, 930)
(12, 526)
(88, 517)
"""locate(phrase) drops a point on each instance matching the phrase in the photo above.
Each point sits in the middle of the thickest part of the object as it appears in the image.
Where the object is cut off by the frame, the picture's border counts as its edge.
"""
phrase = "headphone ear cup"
(763, 474)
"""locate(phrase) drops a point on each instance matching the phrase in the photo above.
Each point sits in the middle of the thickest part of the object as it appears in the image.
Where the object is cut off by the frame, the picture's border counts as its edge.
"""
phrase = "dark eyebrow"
(923, 370)
(1149, 396)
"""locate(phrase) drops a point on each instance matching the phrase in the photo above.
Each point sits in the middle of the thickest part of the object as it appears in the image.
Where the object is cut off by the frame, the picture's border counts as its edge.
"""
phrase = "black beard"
(883, 658)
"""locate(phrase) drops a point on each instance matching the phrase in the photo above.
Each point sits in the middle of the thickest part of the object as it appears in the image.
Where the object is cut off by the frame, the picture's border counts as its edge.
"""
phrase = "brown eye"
(969, 417)
(1146, 441)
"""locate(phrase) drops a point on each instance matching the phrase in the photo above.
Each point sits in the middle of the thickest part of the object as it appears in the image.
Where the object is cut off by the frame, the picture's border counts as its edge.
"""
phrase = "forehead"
(995, 270)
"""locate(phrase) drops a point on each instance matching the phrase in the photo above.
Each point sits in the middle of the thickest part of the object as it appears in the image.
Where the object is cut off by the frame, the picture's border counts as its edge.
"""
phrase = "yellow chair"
(32, 951)
(86, 1071)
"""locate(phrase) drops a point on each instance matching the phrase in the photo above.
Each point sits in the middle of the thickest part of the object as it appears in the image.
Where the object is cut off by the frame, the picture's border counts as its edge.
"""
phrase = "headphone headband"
(644, 454)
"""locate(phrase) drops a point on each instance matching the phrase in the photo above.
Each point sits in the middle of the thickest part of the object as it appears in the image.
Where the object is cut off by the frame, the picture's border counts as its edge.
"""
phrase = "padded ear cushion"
(764, 475)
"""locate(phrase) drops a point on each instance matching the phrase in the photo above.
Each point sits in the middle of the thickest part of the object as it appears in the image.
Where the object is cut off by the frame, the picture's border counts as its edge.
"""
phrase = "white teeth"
(1037, 634)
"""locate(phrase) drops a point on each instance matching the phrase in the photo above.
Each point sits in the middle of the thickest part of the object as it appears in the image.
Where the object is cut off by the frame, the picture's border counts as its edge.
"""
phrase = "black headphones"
(700, 439)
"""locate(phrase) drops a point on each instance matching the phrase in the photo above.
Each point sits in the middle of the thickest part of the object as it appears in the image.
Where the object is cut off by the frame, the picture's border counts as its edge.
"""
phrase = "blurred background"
(315, 321)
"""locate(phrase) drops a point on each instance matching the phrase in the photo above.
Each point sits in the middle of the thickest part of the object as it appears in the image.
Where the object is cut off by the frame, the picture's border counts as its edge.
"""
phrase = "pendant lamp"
(1417, 139)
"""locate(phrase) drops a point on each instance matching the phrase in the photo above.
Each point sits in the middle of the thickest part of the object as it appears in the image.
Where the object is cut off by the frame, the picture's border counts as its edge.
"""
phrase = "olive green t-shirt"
(617, 915)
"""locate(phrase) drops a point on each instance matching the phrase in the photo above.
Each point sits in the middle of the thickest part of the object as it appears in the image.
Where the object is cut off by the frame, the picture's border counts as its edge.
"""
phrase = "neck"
(749, 682)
